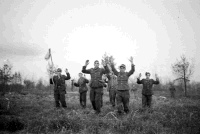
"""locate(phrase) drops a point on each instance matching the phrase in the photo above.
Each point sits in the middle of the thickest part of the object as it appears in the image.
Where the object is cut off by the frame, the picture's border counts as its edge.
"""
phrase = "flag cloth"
(48, 55)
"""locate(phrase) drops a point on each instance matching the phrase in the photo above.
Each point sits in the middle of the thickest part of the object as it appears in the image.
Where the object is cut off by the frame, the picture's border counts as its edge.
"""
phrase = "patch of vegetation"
(34, 112)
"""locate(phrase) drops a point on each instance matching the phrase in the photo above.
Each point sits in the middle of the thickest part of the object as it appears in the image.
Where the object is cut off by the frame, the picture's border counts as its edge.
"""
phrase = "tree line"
(15, 82)
(182, 69)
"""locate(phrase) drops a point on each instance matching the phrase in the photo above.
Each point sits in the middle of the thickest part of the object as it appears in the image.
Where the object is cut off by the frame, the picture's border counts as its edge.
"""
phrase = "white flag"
(48, 55)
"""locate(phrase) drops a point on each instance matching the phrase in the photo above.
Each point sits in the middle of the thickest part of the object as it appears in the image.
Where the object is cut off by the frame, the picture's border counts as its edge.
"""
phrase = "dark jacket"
(122, 78)
(147, 85)
(60, 82)
(96, 76)
(82, 84)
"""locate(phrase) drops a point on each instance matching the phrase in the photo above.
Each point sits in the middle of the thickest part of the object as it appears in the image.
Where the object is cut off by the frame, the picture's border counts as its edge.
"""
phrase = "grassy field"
(33, 111)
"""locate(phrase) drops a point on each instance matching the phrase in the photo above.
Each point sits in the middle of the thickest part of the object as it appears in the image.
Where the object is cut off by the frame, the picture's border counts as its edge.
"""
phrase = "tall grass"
(36, 111)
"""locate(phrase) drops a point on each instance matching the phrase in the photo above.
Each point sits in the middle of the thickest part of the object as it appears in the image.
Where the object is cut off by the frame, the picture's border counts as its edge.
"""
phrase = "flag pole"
(51, 62)
(51, 56)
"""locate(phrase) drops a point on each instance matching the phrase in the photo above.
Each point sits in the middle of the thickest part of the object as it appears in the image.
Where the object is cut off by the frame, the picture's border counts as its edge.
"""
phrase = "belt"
(96, 87)
(122, 90)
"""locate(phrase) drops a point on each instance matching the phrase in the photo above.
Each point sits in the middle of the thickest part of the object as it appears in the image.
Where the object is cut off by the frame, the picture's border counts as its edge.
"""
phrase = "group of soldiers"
(117, 82)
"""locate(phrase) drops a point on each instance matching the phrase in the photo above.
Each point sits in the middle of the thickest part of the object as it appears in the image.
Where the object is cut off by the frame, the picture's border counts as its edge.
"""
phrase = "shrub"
(29, 84)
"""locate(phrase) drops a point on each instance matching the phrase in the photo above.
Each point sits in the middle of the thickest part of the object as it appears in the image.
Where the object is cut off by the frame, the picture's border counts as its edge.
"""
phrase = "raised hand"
(86, 62)
(131, 60)
(66, 70)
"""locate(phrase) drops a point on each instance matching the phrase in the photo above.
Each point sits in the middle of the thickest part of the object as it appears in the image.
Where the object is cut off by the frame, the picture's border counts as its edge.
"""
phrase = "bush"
(16, 88)
(11, 88)
(29, 84)
(3, 89)
(40, 85)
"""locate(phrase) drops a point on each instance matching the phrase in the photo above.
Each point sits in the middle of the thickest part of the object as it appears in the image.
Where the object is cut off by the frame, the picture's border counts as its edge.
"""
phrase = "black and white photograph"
(99, 66)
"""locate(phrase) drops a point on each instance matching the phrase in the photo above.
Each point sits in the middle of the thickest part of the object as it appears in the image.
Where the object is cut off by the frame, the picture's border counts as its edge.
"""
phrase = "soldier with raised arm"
(82, 81)
(122, 94)
(59, 87)
(96, 84)
(147, 89)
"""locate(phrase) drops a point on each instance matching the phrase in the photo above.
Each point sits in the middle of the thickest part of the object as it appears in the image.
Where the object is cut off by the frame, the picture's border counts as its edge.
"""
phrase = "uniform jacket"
(82, 84)
(59, 83)
(147, 85)
(122, 78)
(96, 76)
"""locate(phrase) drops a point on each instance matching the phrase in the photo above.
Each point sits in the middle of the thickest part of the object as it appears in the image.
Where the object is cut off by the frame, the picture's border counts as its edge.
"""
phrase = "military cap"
(96, 61)
(147, 73)
(59, 70)
(122, 65)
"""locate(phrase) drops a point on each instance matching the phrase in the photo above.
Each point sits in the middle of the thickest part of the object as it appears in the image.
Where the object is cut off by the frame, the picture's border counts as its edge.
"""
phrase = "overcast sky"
(155, 33)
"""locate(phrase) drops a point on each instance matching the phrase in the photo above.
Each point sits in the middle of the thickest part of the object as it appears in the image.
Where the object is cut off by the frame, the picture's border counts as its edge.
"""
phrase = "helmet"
(122, 65)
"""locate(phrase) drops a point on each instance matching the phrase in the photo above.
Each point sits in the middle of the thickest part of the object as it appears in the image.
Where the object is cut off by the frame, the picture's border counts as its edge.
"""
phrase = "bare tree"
(108, 59)
(183, 69)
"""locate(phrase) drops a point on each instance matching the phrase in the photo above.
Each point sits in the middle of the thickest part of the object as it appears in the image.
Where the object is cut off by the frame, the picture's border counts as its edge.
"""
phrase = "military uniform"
(122, 94)
(60, 89)
(112, 88)
(96, 85)
(147, 91)
(82, 90)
